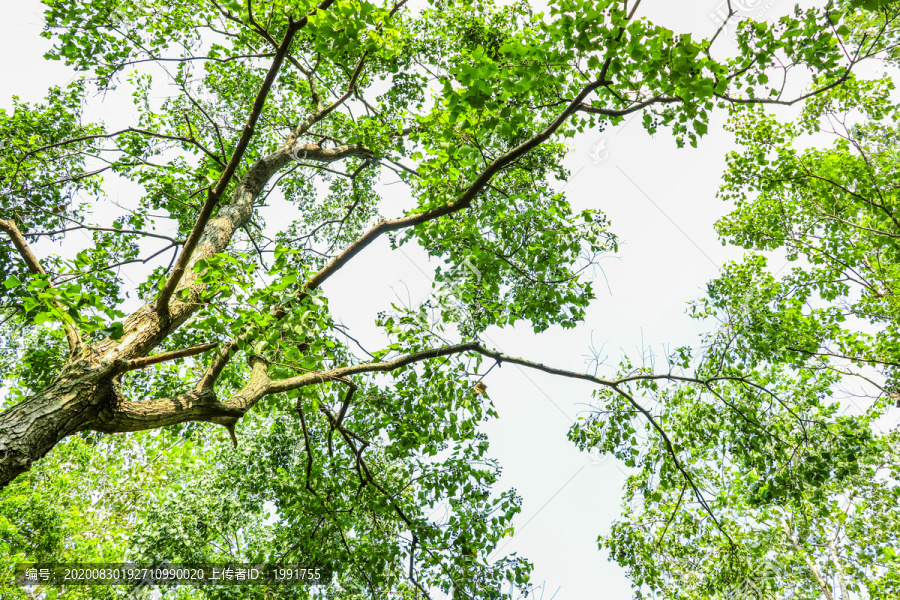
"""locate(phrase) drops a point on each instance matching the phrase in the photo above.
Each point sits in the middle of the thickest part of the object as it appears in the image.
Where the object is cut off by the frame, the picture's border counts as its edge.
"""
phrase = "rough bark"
(30, 429)
(86, 395)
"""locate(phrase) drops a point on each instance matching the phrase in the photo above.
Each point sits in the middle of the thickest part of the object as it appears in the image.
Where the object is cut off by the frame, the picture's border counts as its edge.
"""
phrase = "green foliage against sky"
(180, 388)
(779, 417)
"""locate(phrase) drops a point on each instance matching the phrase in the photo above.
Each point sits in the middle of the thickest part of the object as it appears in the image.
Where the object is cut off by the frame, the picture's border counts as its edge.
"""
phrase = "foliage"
(779, 419)
(239, 108)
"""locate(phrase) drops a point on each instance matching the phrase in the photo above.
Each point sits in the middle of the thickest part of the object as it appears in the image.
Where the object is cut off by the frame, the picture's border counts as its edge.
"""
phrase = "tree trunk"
(29, 430)
(86, 394)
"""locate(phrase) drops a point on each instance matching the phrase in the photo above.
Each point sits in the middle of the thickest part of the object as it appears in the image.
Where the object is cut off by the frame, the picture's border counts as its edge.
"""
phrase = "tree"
(310, 107)
(781, 417)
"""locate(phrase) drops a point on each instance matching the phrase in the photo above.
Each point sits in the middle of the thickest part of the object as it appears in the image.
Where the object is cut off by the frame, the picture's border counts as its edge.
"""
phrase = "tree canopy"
(265, 142)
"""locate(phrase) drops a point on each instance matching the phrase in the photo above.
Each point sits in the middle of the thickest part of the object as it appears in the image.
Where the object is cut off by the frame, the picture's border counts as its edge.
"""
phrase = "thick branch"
(462, 202)
(215, 194)
(201, 404)
(9, 226)
(128, 415)
(21, 245)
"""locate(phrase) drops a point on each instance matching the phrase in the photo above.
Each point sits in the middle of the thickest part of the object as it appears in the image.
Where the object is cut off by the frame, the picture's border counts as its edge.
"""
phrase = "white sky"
(661, 202)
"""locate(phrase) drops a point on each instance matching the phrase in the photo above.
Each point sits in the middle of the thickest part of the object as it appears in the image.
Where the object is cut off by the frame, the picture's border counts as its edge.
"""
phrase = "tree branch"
(387, 366)
(215, 194)
(463, 201)
(105, 229)
(31, 261)
(826, 590)
(611, 112)
(202, 404)
(98, 136)
(146, 361)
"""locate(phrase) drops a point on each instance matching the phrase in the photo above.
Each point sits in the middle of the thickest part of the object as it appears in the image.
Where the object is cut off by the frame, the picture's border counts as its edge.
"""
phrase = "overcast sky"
(661, 202)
